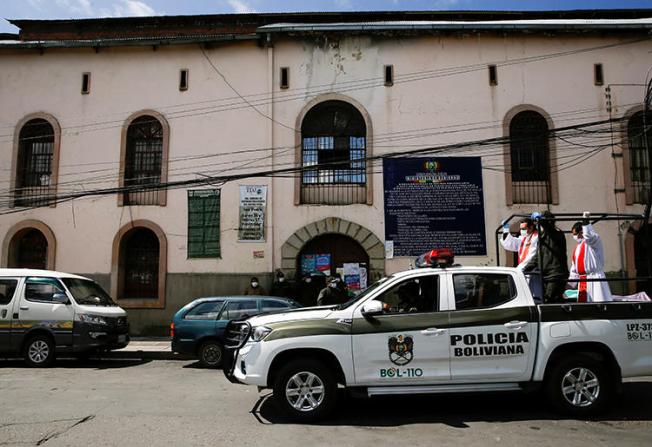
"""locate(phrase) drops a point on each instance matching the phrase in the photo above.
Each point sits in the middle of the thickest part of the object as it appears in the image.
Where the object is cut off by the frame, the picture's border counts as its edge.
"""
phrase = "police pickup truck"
(444, 329)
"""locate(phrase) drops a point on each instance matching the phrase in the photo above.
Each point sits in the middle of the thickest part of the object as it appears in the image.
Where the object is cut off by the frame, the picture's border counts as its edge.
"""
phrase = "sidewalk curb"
(146, 355)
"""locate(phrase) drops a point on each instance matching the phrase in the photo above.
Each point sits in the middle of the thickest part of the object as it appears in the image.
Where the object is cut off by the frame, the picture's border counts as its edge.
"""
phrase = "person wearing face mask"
(588, 263)
(526, 247)
(551, 259)
(525, 244)
(281, 287)
(331, 294)
(254, 288)
(307, 290)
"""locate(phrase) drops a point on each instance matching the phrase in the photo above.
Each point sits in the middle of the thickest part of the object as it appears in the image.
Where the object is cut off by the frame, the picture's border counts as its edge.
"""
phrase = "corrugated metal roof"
(125, 41)
(457, 24)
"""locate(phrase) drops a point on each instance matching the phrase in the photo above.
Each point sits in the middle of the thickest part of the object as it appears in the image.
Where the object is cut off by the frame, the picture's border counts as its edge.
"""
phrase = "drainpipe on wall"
(270, 113)
(621, 245)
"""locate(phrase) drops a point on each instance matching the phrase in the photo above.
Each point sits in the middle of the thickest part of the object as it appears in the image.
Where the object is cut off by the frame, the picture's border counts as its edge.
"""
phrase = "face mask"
(333, 285)
(281, 279)
(254, 284)
(308, 280)
(523, 232)
(577, 238)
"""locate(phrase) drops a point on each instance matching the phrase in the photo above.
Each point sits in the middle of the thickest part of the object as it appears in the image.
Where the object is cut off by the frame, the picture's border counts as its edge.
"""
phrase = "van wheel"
(39, 351)
(580, 386)
(305, 390)
(211, 354)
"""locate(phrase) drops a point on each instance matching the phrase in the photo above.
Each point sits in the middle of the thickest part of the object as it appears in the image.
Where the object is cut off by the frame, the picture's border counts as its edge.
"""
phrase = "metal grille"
(143, 161)
(236, 334)
(639, 162)
(204, 223)
(530, 158)
(141, 262)
(333, 155)
(30, 251)
(35, 153)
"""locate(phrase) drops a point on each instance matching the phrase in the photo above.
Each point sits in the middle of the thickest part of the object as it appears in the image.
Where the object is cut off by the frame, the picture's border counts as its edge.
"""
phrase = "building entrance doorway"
(329, 254)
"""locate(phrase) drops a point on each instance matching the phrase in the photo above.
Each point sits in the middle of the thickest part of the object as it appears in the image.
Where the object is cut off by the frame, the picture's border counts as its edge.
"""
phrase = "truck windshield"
(364, 293)
(88, 292)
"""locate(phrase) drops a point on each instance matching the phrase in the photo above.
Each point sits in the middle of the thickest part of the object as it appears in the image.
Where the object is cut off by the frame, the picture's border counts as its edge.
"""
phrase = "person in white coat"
(588, 263)
(526, 247)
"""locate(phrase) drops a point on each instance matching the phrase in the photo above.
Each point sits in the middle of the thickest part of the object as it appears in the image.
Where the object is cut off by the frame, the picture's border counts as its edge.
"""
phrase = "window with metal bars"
(333, 136)
(639, 136)
(29, 249)
(143, 161)
(140, 263)
(35, 155)
(530, 158)
(204, 223)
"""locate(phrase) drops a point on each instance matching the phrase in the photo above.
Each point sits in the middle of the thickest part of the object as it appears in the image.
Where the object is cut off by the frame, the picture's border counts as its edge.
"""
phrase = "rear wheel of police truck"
(580, 385)
(305, 390)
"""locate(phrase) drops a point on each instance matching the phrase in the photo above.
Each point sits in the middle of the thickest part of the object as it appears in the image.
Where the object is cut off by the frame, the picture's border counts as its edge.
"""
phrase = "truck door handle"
(24, 307)
(515, 324)
(433, 331)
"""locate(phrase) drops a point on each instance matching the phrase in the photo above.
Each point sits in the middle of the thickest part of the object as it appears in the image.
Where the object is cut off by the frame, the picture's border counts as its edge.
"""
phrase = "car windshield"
(366, 292)
(88, 292)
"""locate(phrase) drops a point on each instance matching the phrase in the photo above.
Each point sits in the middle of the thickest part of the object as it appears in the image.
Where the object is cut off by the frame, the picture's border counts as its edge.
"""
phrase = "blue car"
(198, 328)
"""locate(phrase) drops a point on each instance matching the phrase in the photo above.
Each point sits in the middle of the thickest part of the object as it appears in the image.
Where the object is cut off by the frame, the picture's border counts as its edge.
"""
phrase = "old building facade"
(105, 111)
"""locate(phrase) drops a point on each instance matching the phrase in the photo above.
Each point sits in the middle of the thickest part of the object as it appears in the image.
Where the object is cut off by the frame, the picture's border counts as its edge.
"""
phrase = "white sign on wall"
(253, 201)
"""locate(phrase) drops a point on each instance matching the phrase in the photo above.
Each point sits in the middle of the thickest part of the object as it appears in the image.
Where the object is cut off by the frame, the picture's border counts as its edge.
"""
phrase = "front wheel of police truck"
(305, 390)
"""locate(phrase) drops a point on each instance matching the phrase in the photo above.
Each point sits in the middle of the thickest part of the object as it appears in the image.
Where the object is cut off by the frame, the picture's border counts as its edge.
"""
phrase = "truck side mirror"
(372, 308)
(60, 298)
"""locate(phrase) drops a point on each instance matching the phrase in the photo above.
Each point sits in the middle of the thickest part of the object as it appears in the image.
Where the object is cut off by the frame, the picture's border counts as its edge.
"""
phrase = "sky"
(64, 9)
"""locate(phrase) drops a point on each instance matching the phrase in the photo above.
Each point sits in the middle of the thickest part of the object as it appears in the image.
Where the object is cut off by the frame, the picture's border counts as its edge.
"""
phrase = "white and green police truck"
(444, 330)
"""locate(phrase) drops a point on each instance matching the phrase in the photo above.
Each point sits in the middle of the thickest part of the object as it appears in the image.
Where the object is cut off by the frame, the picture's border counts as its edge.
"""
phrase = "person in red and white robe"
(588, 263)
(526, 247)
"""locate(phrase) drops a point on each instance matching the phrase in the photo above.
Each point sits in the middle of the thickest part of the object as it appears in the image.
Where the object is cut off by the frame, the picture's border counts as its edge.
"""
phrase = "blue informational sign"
(320, 263)
(434, 203)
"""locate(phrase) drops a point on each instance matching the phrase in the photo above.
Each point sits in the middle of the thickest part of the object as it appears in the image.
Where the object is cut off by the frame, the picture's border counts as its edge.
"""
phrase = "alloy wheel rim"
(304, 391)
(580, 387)
(38, 351)
(212, 354)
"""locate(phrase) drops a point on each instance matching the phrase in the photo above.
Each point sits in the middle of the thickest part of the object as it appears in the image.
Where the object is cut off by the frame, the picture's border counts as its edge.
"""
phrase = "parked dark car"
(198, 328)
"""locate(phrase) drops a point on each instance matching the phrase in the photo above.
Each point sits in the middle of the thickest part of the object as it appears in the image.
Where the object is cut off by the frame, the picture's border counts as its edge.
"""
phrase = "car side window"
(42, 289)
(482, 290)
(272, 305)
(7, 289)
(239, 310)
(208, 310)
(413, 295)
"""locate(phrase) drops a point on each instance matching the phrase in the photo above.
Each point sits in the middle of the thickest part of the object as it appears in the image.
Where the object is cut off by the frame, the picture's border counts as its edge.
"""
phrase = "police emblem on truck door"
(400, 349)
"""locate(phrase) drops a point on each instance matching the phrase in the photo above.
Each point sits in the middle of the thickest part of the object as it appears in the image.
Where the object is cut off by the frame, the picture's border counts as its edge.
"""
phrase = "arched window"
(333, 152)
(639, 138)
(139, 264)
(36, 147)
(143, 161)
(530, 158)
(28, 249)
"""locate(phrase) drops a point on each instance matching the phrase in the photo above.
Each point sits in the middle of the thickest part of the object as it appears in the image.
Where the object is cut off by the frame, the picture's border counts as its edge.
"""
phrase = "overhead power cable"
(271, 172)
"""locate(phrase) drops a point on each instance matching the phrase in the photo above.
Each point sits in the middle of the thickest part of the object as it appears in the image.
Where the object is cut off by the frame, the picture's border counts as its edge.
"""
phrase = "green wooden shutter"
(204, 223)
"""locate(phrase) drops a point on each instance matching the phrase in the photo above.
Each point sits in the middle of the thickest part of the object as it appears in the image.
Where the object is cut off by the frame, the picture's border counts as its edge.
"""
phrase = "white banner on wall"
(253, 201)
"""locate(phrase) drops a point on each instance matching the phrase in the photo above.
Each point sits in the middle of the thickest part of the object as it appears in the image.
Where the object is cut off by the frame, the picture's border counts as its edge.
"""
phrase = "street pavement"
(137, 402)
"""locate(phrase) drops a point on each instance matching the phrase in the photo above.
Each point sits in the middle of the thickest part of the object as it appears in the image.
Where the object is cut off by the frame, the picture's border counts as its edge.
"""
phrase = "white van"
(44, 313)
